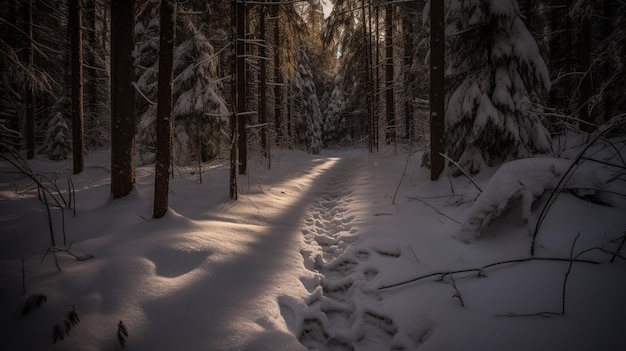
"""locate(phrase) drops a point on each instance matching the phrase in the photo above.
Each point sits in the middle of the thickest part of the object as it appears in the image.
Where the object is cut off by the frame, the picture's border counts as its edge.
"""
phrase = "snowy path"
(342, 312)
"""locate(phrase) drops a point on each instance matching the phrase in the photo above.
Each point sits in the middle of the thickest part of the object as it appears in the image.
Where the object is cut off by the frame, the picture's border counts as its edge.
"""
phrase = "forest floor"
(304, 260)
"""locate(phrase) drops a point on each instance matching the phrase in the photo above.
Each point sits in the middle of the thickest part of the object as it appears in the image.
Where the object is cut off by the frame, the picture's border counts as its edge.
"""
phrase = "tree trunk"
(164, 107)
(437, 88)
(409, 77)
(29, 130)
(76, 39)
(122, 98)
(368, 73)
(377, 97)
(241, 87)
(389, 76)
(278, 79)
(233, 90)
(263, 83)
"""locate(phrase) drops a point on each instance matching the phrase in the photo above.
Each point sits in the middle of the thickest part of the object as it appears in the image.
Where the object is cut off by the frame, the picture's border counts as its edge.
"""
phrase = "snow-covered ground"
(303, 258)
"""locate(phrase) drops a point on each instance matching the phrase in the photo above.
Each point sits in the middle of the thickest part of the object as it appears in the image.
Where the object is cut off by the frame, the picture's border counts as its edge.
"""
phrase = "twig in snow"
(462, 171)
(614, 122)
(406, 165)
(617, 252)
(569, 270)
(457, 293)
(434, 208)
(413, 252)
(481, 269)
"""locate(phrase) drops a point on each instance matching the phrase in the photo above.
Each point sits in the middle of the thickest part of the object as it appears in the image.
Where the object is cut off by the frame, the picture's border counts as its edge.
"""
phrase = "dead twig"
(481, 269)
(462, 171)
(434, 208)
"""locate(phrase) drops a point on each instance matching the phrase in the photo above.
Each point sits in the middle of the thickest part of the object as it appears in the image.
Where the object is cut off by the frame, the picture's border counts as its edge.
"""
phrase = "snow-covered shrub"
(491, 115)
(526, 180)
(57, 143)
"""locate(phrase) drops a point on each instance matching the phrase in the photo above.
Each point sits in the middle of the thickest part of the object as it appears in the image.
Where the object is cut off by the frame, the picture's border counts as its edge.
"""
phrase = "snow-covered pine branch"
(525, 180)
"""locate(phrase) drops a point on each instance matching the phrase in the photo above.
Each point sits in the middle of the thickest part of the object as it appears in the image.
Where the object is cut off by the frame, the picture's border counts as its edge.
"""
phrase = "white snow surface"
(299, 259)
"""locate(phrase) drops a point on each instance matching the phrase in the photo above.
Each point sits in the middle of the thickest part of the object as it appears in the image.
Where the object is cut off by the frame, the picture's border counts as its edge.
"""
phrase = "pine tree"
(57, 143)
(492, 115)
(308, 118)
(199, 111)
(333, 129)
(146, 70)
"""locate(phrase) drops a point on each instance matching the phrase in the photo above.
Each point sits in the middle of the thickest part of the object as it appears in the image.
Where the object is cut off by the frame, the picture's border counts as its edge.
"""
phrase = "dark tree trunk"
(241, 87)
(122, 98)
(368, 73)
(389, 76)
(164, 107)
(76, 39)
(437, 88)
(278, 79)
(29, 130)
(233, 101)
(409, 33)
(263, 83)
(377, 97)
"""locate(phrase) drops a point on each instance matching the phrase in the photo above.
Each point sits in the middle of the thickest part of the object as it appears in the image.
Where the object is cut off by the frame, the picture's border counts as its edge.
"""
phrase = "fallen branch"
(481, 269)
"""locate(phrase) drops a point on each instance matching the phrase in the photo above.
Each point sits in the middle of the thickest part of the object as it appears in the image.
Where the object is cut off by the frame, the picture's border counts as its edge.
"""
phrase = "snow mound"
(526, 180)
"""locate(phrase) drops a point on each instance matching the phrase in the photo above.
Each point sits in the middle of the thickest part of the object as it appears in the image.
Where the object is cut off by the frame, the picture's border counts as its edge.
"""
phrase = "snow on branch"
(526, 180)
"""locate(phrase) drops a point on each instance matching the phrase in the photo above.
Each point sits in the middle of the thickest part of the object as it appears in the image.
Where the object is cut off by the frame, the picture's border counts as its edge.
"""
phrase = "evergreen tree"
(333, 130)
(199, 111)
(308, 117)
(146, 70)
(57, 143)
(492, 115)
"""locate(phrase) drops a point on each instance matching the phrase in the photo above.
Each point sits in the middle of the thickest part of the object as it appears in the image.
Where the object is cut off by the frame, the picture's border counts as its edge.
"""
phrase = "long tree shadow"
(222, 305)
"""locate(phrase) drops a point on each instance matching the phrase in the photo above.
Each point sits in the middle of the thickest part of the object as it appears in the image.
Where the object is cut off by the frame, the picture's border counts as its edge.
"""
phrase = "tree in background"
(308, 117)
(76, 39)
(164, 107)
(57, 143)
(333, 128)
(492, 115)
(199, 112)
(122, 98)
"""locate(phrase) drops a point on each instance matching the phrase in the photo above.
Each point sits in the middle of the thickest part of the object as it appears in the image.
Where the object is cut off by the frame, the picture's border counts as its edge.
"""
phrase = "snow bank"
(526, 180)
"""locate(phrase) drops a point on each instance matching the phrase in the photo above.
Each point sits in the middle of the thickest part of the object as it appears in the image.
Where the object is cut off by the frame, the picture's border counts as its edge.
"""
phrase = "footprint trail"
(342, 312)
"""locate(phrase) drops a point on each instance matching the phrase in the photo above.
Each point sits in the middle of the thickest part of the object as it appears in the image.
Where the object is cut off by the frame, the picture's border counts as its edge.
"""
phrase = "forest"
(215, 130)
(506, 78)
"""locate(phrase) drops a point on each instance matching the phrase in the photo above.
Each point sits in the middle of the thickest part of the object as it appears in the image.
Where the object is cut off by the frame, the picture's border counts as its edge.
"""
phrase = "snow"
(303, 254)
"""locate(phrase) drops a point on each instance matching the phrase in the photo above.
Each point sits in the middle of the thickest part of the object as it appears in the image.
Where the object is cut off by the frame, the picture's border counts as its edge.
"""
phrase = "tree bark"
(437, 88)
(233, 90)
(389, 76)
(241, 87)
(76, 39)
(122, 98)
(29, 130)
(164, 107)
(409, 77)
(277, 77)
(263, 82)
